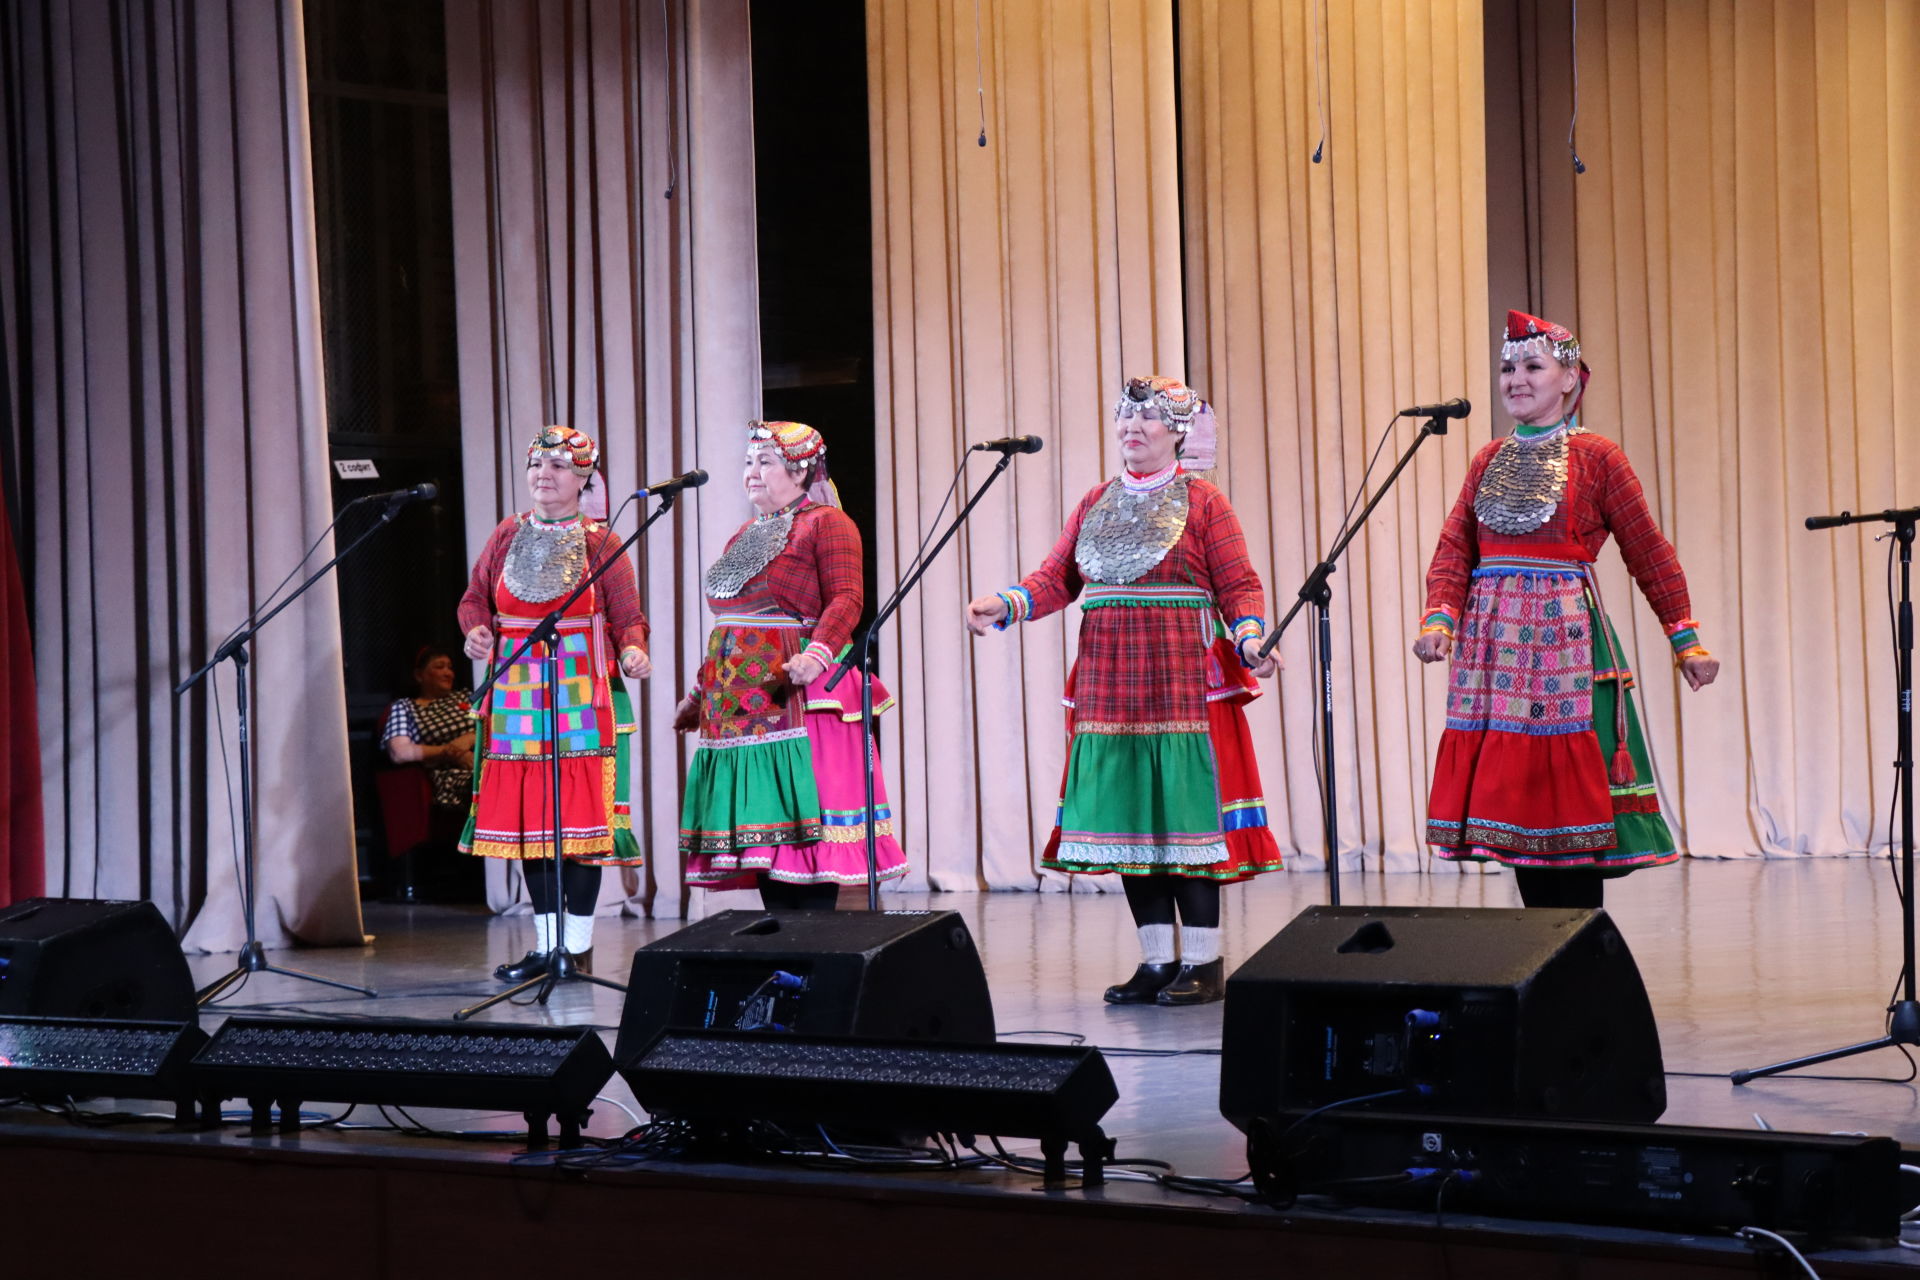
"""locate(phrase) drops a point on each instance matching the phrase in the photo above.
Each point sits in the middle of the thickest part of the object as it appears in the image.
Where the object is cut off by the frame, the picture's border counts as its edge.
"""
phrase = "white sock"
(1199, 946)
(543, 932)
(1156, 943)
(579, 931)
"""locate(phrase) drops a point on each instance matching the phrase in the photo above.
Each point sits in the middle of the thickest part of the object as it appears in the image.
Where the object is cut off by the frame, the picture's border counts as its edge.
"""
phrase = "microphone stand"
(1318, 591)
(253, 957)
(865, 663)
(1903, 1016)
(560, 966)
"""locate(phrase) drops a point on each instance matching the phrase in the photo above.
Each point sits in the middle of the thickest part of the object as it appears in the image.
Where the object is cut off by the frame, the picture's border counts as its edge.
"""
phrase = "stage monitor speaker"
(540, 1072)
(1056, 1093)
(1456, 1010)
(89, 958)
(1663, 1177)
(899, 975)
(51, 1059)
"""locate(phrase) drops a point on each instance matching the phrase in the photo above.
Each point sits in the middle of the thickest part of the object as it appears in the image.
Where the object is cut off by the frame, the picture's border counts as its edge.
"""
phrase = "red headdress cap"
(1531, 336)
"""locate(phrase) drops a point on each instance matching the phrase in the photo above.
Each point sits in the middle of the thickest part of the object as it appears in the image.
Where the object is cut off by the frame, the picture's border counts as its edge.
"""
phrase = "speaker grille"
(485, 1052)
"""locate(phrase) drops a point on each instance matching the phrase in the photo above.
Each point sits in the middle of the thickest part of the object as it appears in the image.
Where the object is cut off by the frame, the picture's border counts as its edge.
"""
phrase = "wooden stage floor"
(1746, 962)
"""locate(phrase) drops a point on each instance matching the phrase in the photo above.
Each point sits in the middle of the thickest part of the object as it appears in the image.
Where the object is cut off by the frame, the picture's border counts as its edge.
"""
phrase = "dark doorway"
(377, 80)
(816, 236)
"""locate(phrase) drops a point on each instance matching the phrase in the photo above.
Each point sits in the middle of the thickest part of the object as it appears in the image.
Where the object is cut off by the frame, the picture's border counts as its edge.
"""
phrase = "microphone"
(1009, 444)
(667, 488)
(1830, 522)
(426, 492)
(1454, 408)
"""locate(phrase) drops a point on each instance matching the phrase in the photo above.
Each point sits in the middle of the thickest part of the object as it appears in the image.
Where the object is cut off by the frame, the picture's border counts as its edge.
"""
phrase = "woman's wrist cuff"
(1019, 607)
(1439, 622)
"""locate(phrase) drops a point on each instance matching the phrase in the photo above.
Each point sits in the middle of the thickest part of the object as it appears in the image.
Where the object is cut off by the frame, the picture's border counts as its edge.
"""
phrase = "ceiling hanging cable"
(979, 74)
(1579, 165)
(673, 107)
(1320, 74)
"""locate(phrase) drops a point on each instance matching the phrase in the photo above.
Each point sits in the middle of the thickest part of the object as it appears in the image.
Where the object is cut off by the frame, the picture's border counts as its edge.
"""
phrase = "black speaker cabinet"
(897, 975)
(89, 958)
(1462, 1010)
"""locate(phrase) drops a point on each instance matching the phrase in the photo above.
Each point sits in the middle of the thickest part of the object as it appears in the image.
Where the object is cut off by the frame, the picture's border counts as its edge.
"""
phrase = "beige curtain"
(1015, 286)
(1321, 299)
(165, 408)
(587, 294)
(1739, 262)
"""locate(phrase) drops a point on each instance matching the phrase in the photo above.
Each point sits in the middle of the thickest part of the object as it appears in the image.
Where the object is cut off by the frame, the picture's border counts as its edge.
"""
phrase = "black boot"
(531, 965)
(1142, 986)
(1196, 984)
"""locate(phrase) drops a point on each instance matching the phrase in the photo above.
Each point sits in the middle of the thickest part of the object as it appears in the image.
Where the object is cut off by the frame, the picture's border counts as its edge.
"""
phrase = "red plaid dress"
(1521, 774)
(512, 803)
(1164, 670)
(777, 785)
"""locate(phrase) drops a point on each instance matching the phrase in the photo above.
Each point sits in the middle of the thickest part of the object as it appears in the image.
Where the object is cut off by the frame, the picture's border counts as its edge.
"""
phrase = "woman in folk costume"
(1543, 766)
(776, 793)
(1161, 784)
(531, 562)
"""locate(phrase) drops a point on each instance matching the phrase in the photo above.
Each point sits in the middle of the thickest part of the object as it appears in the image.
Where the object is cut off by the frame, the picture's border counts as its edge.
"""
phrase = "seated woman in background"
(435, 728)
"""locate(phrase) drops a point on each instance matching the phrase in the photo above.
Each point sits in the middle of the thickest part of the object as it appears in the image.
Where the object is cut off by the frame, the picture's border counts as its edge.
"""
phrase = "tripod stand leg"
(1741, 1077)
(215, 987)
(461, 1015)
(325, 982)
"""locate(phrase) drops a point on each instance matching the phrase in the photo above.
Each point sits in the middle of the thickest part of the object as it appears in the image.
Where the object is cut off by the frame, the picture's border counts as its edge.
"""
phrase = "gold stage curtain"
(1321, 298)
(1015, 287)
(1739, 263)
(587, 296)
(1309, 302)
(164, 407)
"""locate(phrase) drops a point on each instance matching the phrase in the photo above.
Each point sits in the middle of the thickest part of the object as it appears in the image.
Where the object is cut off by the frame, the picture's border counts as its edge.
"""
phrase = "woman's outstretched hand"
(1433, 646)
(984, 612)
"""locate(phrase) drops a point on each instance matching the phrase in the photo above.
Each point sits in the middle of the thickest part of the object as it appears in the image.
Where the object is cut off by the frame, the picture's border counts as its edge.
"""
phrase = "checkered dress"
(1160, 777)
(434, 725)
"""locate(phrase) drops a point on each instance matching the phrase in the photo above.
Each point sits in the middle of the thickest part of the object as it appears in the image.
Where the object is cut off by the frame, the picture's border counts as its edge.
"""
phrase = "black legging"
(1154, 898)
(580, 882)
(779, 895)
(1556, 887)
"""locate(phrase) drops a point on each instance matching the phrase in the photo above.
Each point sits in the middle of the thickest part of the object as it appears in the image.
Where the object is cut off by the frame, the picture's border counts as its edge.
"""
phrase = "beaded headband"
(1181, 408)
(796, 442)
(1173, 401)
(575, 447)
(799, 447)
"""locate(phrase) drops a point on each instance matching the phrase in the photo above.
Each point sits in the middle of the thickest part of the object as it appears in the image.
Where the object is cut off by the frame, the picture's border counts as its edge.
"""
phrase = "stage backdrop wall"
(1733, 259)
(1739, 262)
(164, 406)
(1317, 300)
(1015, 287)
(1322, 298)
(588, 295)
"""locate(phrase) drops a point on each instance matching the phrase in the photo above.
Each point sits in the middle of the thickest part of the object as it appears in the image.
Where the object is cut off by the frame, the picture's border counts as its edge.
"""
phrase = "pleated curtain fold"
(1016, 285)
(605, 277)
(165, 415)
(1739, 261)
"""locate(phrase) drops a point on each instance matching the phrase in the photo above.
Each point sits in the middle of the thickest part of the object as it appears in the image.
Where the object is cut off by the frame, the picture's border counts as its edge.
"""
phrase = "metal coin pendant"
(751, 551)
(544, 561)
(1125, 534)
(1524, 482)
